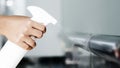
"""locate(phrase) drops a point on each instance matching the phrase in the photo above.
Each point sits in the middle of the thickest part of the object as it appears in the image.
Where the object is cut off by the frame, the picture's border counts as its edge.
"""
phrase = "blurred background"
(65, 45)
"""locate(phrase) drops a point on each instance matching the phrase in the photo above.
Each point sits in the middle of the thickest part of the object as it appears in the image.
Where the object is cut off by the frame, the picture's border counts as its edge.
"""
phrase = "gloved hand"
(19, 30)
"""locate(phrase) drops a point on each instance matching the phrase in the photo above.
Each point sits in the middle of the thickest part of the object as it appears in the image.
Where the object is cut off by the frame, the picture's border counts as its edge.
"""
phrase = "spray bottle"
(11, 53)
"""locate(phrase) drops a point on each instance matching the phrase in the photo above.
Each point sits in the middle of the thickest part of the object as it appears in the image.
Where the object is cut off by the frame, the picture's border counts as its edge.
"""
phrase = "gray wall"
(91, 16)
(50, 44)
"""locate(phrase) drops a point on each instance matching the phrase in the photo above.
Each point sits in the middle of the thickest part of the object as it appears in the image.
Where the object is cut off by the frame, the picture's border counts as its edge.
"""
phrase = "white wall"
(92, 16)
(50, 44)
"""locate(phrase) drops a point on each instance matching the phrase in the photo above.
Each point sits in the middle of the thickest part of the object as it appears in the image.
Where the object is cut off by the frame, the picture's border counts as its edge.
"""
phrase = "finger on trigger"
(25, 46)
(30, 42)
(39, 26)
(36, 33)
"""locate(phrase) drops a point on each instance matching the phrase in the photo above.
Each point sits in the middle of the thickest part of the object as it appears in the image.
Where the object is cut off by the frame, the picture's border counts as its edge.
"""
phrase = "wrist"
(3, 24)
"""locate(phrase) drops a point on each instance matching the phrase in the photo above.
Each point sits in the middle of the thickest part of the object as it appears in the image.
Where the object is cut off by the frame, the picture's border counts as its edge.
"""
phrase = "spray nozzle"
(40, 15)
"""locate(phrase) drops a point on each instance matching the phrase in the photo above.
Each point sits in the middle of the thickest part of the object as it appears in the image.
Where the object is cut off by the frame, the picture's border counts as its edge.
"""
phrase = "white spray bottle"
(11, 54)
